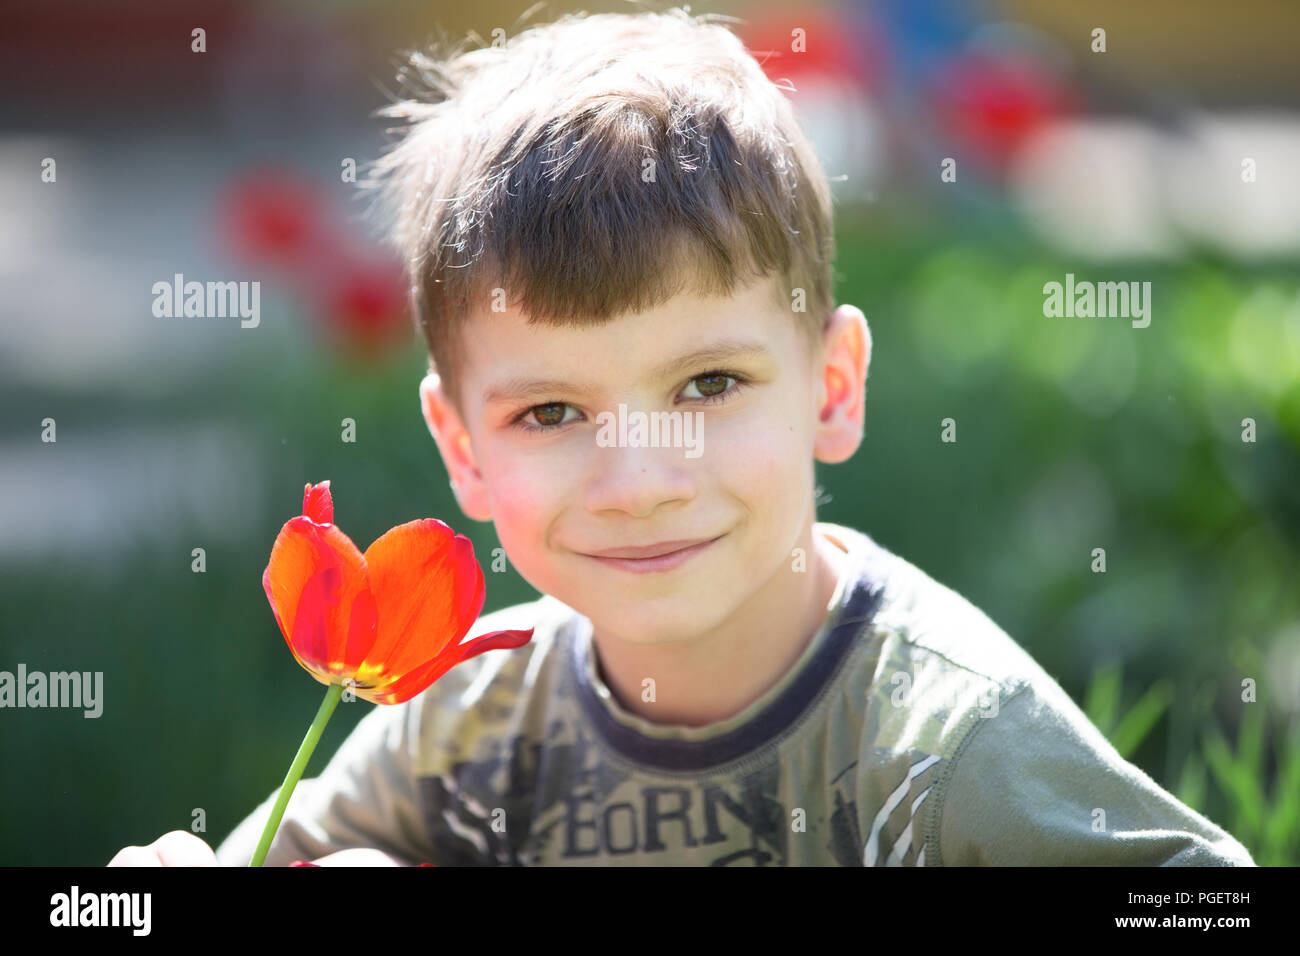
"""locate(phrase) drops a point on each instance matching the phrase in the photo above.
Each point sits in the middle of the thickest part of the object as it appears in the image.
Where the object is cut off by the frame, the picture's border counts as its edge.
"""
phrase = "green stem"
(295, 770)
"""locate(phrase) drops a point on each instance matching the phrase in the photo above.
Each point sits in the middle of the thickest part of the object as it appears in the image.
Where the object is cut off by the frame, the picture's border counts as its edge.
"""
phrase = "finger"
(357, 857)
(182, 848)
(135, 856)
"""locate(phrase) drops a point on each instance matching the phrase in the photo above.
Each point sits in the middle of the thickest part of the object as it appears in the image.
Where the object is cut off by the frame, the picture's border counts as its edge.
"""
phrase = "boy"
(610, 220)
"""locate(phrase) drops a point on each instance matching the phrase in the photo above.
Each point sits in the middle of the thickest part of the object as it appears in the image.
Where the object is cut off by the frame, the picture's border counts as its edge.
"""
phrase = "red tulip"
(389, 621)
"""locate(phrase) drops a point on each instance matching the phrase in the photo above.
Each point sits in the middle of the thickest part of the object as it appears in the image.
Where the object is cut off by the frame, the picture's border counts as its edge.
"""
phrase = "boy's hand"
(183, 848)
(359, 857)
(178, 848)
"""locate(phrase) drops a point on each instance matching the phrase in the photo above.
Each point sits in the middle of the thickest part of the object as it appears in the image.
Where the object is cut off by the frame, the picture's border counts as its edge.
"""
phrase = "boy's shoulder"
(995, 760)
(926, 647)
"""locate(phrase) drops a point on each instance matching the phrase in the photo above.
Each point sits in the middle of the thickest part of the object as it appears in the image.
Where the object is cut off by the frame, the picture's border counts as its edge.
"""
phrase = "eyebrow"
(518, 389)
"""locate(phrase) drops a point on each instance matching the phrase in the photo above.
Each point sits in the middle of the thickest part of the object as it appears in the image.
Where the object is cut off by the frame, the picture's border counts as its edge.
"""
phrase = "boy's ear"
(845, 357)
(453, 442)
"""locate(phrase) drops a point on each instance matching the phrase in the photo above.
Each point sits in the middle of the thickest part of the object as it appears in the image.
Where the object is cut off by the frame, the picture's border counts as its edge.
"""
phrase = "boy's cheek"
(760, 463)
(523, 518)
(519, 495)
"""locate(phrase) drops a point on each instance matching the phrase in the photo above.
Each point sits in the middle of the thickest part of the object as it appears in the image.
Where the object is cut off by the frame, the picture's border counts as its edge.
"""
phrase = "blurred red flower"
(272, 217)
(993, 104)
(364, 308)
(281, 222)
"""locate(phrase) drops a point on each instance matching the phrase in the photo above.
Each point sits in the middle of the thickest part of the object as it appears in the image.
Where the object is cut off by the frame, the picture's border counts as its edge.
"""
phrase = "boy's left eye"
(711, 388)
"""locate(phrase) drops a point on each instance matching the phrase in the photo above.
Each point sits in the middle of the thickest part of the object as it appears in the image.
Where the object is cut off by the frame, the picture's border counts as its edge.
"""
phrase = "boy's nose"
(636, 481)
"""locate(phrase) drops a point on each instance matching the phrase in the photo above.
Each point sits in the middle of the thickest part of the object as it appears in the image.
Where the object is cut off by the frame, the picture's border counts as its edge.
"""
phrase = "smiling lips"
(654, 557)
(649, 550)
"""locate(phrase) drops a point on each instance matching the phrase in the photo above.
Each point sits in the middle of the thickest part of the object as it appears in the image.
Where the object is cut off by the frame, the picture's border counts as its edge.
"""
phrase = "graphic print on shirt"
(562, 803)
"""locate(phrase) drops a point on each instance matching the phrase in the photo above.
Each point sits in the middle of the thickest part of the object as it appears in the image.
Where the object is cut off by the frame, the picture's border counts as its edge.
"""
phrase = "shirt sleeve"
(1037, 784)
(365, 797)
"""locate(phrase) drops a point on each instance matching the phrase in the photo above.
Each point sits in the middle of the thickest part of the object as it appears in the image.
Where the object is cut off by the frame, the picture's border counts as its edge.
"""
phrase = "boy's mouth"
(663, 556)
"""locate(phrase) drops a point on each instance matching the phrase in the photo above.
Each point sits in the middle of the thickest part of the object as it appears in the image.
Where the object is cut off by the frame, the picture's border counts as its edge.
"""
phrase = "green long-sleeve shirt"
(911, 731)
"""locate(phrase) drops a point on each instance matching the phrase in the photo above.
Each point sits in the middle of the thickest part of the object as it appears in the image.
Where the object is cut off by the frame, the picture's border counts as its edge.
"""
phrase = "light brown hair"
(593, 166)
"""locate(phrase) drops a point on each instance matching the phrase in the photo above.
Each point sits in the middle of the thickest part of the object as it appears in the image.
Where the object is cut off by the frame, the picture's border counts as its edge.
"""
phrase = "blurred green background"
(1072, 434)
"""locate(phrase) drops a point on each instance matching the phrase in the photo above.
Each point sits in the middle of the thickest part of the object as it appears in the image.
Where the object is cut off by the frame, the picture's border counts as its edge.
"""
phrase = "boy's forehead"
(508, 358)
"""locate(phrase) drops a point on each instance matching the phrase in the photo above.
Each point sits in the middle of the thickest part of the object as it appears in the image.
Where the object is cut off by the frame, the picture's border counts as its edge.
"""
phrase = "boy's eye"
(549, 415)
(712, 384)
(711, 388)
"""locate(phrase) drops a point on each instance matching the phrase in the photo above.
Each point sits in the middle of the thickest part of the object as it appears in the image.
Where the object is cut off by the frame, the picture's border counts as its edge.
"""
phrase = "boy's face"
(742, 476)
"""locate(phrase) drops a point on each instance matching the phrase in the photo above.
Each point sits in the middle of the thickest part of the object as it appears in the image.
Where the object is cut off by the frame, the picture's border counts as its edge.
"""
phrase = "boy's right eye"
(550, 415)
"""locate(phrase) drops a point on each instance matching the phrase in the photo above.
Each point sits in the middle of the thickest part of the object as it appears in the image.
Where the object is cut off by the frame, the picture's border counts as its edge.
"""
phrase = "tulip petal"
(428, 589)
(492, 641)
(420, 679)
(316, 584)
(317, 503)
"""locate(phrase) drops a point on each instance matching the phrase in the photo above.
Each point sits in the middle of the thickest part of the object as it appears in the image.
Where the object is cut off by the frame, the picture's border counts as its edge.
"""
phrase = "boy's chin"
(667, 621)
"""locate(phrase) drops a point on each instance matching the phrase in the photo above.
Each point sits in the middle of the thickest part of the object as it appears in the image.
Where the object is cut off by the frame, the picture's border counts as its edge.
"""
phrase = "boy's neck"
(718, 675)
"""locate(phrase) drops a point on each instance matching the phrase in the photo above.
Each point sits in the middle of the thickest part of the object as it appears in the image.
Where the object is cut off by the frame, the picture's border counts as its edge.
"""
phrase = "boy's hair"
(591, 167)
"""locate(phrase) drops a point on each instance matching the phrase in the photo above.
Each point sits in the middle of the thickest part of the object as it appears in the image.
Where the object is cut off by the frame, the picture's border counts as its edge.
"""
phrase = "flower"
(282, 222)
(361, 306)
(387, 623)
(274, 217)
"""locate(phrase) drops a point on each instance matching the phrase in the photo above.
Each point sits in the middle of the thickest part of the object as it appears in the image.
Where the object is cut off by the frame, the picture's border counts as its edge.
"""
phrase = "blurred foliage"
(1268, 826)
(1073, 434)
(1102, 704)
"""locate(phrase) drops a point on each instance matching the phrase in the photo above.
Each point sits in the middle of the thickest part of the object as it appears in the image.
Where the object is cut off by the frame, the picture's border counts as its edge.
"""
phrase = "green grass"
(1266, 822)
